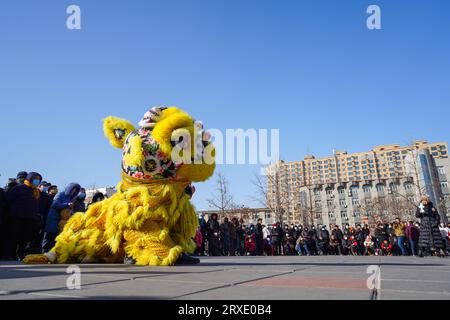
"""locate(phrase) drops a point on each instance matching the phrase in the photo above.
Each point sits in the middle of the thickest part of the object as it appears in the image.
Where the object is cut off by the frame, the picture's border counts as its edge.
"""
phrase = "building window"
(342, 202)
(341, 190)
(441, 170)
(408, 186)
(393, 187)
(354, 191)
(380, 187)
(366, 188)
(329, 191)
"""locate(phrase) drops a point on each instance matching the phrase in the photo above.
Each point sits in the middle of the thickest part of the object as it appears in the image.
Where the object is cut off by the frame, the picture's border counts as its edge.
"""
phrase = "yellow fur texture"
(151, 221)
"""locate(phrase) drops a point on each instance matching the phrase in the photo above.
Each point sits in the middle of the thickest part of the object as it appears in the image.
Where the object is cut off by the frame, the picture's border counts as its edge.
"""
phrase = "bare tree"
(271, 192)
(222, 200)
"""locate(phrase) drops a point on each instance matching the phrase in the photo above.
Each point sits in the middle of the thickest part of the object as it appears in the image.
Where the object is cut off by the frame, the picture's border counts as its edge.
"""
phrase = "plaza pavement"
(237, 278)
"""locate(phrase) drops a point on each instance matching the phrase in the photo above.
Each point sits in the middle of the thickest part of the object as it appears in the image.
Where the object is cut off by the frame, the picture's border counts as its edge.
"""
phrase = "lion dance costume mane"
(150, 219)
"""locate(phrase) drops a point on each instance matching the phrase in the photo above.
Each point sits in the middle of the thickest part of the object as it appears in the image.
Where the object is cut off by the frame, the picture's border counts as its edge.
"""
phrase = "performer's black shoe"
(184, 259)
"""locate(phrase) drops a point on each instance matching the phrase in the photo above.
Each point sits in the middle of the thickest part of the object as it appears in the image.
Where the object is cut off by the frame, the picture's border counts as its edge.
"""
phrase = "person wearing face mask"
(63, 201)
(79, 205)
(45, 202)
(314, 245)
(324, 241)
(23, 212)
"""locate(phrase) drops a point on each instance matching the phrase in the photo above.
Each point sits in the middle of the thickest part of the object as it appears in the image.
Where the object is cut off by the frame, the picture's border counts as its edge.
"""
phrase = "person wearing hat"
(63, 202)
(324, 240)
(21, 177)
(79, 205)
(52, 191)
(23, 204)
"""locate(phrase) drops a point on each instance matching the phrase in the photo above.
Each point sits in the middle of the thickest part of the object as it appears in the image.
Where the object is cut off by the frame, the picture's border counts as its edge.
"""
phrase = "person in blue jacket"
(63, 200)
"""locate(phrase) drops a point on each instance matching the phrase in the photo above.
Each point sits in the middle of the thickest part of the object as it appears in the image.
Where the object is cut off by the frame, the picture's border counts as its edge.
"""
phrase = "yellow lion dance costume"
(150, 219)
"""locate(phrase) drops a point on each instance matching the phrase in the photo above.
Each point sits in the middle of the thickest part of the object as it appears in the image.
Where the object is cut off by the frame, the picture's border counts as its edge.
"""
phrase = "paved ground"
(237, 278)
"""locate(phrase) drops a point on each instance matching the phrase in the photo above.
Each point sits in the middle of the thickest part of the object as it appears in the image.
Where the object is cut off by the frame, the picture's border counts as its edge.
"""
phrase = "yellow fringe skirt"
(153, 224)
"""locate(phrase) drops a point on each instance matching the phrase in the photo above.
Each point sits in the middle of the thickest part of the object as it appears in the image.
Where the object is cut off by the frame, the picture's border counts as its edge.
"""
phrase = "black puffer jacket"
(2, 206)
(22, 203)
(430, 236)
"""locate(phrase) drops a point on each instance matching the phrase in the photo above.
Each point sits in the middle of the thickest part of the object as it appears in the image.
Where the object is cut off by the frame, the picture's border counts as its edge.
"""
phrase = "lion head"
(168, 145)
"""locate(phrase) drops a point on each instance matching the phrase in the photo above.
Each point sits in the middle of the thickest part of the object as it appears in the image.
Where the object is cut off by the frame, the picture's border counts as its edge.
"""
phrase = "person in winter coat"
(62, 205)
(369, 246)
(335, 245)
(21, 177)
(386, 248)
(338, 235)
(53, 191)
(259, 238)
(2, 205)
(347, 245)
(412, 233)
(445, 234)
(267, 243)
(296, 232)
(2, 217)
(301, 247)
(430, 239)
(79, 205)
(250, 243)
(380, 235)
(348, 231)
(233, 237)
(213, 234)
(198, 239)
(225, 236)
(324, 241)
(313, 243)
(23, 214)
(202, 223)
(360, 236)
(241, 231)
(399, 231)
(97, 197)
(277, 236)
(45, 202)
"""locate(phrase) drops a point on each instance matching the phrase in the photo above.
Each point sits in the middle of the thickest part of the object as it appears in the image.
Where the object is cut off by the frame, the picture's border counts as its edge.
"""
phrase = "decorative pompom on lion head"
(168, 145)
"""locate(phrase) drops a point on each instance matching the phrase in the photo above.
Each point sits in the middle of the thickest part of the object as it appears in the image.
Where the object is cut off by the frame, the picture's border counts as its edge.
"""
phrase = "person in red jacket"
(386, 248)
(198, 241)
(250, 244)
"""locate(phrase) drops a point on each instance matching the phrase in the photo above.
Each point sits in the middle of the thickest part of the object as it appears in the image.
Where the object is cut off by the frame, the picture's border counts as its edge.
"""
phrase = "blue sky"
(309, 68)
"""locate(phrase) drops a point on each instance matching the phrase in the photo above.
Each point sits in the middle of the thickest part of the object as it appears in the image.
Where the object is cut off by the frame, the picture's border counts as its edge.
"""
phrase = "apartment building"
(362, 187)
